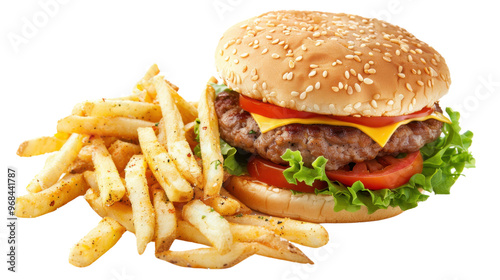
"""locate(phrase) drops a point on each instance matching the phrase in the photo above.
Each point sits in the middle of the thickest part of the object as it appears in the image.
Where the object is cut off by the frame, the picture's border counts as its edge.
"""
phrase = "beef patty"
(341, 145)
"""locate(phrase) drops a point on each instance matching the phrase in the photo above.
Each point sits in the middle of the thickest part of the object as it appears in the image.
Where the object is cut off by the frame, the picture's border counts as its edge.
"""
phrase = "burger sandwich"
(330, 117)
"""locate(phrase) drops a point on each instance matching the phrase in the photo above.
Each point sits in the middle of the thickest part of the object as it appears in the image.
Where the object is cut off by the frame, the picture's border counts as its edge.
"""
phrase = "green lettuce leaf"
(444, 161)
(220, 88)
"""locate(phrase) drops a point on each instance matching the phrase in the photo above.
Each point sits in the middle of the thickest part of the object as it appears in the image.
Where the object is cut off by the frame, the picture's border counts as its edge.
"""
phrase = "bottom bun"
(304, 206)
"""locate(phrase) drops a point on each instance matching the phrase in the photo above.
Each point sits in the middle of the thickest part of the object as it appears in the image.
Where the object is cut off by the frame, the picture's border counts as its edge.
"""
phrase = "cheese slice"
(380, 135)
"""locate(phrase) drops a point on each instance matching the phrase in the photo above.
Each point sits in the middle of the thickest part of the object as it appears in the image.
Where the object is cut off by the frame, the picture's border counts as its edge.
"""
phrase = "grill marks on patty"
(339, 144)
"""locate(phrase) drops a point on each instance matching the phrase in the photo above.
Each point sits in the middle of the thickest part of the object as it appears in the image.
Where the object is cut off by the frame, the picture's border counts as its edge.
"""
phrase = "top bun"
(331, 64)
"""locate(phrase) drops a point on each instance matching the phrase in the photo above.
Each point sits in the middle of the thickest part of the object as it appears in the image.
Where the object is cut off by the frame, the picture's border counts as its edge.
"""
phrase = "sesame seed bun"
(332, 64)
(306, 207)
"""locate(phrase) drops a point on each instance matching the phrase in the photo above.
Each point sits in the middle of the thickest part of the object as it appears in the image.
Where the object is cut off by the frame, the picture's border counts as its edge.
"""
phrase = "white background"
(81, 50)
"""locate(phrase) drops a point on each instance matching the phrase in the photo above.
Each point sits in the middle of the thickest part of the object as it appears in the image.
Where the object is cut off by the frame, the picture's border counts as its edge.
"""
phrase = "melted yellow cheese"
(379, 134)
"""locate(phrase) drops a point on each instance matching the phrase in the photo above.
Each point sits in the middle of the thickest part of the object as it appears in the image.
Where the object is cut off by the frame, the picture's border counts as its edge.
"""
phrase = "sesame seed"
(325, 73)
(244, 55)
(289, 76)
(357, 87)
(374, 104)
(317, 85)
(312, 73)
(275, 56)
(335, 89)
(433, 72)
(304, 48)
(316, 107)
(401, 75)
(269, 37)
(346, 74)
(360, 78)
(295, 93)
(284, 76)
(376, 96)
(349, 56)
(357, 105)
(316, 34)
(390, 102)
(353, 72)
(410, 58)
(388, 59)
(368, 81)
(420, 83)
(410, 107)
(264, 51)
(309, 88)
(408, 87)
(371, 71)
(234, 51)
(348, 108)
(236, 61)
(341, 85)
(350, 90)
(299, 58)
(291, 64)
(303, 95)
(264, 85)
(313, 66)
(255, 78)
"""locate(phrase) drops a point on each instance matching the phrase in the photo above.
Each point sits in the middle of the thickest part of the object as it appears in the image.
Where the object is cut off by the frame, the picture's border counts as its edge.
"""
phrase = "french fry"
(164, 169)
(209, 257)
(119, 108)
(243, 209)
(36, 204)
(145, 82)
(268, 244)
(121, 152)
(213, 172)
(110, 184)
(189, 113)
(178, 147)
(57, 164)
(40, 146)
(102, 126)
(119, 211)
(89, 177)
(210, 223)
(304, 233)
(166, 220)
(138, 193)
(187, 232)
(223, 205)
(97, 242)
(83, 161)
(190, 135)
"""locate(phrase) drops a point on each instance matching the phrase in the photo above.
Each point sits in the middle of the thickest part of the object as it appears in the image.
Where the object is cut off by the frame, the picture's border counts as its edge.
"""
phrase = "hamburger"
(328, 117)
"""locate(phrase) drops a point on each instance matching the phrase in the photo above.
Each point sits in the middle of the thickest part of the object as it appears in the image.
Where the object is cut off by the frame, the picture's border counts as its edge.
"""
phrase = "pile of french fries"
(132, 160)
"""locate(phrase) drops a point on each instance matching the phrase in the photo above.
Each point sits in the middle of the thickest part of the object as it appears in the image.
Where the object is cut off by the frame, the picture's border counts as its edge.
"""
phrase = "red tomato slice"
(272, 174)
(385, 172)
(277, 112)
